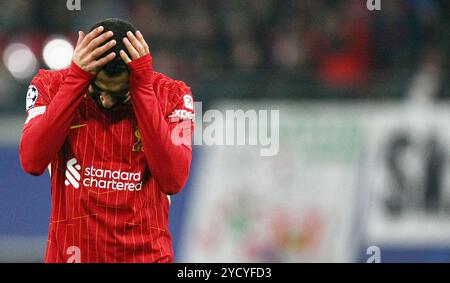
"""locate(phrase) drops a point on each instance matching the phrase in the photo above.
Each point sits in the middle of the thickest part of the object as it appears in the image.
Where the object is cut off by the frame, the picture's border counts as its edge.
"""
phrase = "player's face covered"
(110, 92)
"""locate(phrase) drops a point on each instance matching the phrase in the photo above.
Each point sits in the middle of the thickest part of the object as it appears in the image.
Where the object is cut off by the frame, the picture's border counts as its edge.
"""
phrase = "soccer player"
(115, 136)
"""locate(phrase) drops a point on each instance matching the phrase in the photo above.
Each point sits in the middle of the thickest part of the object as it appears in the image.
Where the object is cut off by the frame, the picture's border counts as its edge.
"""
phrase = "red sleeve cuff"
(80, 72)
(143, 63)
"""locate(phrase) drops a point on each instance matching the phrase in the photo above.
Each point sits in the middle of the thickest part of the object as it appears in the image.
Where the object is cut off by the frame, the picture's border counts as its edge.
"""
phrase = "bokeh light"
(20, 61)
(57, 53)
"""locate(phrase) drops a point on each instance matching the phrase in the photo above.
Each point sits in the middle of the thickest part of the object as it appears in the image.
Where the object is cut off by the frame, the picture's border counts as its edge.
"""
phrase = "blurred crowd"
(338, 44)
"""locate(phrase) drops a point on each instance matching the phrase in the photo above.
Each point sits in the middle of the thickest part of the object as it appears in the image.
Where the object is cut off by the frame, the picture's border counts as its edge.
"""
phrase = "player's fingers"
(128, 98)
(104, 60)
(99, 40)
(141, 39)
(133, 52)
(90, 36)
(137, 45)
(102, 49)
(124, 57)
(80, 37)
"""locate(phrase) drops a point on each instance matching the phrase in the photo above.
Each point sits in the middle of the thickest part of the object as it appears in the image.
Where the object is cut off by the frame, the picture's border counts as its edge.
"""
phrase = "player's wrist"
(144, 63)
(80, 72)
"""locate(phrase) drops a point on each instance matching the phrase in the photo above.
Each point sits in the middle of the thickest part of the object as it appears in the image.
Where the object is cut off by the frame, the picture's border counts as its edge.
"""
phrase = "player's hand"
(136, 46)
(88, 50)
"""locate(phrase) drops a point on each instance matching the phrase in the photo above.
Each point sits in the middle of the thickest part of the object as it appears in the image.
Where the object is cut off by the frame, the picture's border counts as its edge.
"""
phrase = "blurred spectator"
(342, 49)
(427, 81)
(336, 44)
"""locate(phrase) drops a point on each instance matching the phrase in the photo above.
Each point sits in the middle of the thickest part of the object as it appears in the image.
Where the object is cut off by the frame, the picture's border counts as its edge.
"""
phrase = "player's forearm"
(168, 162)
(44, 136)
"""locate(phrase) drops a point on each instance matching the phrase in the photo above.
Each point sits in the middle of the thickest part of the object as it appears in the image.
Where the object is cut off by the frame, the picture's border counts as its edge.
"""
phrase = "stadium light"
(57, 53)
(20, 61)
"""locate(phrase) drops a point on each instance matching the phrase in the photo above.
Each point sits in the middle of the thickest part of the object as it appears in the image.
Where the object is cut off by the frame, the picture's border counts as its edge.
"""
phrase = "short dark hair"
(119, 28)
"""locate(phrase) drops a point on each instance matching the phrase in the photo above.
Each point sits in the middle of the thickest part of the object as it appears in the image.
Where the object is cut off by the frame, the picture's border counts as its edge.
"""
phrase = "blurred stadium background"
(364, 154)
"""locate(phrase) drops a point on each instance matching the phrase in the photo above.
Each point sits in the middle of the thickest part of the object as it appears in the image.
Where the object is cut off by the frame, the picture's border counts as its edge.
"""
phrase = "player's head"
(110, 86)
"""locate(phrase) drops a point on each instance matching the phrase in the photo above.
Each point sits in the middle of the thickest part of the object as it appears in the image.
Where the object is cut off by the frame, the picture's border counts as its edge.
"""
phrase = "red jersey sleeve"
(166, 140)
(49, 116)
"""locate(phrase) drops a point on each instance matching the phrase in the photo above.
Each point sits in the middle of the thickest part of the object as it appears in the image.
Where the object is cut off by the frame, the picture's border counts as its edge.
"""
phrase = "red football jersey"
(112, 171)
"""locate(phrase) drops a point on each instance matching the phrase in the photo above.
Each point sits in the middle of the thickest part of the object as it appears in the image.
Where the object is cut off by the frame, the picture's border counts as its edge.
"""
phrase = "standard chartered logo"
(72, 173)
(112, 179)
(101, 178)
